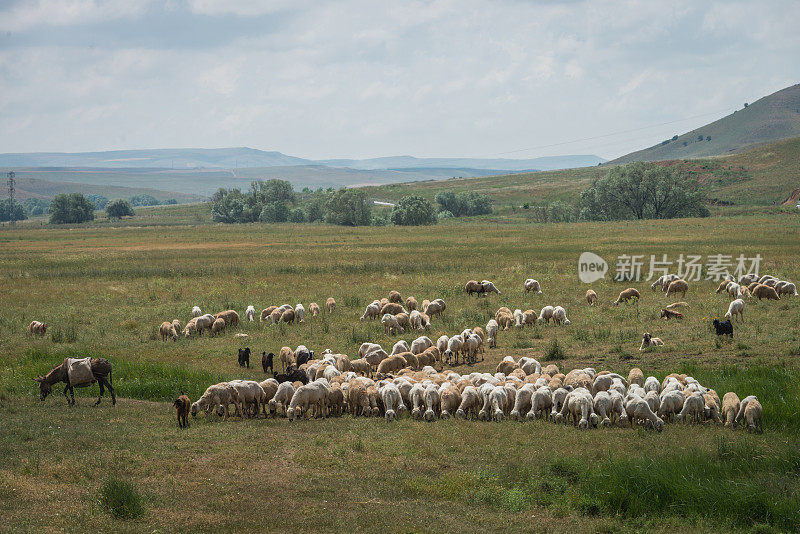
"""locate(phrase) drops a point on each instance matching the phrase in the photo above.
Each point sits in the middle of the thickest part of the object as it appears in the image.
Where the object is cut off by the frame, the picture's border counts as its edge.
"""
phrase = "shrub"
(348, 207)
(554, 352)
(413, 211)
(118, 209)
(121, 499)
(71, 208)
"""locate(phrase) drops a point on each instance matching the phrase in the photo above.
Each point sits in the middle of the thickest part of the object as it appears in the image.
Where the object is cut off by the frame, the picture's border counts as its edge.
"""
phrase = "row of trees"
(463, 204)
(75, 207)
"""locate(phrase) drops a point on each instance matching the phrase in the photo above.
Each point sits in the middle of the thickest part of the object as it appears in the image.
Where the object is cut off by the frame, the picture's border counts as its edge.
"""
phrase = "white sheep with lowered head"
(314, 394)
(560, 315)
(637, 410)
(250, 313)
(400, 346)
(299, 313)
(488, 287)
(694, 407)
(220, 395)
(432, 402)
(196, 312)
(392, 401)
(735, 308)
(421, 344)
(545, 315)
(532, 285)
(491, 333)
(390, 324)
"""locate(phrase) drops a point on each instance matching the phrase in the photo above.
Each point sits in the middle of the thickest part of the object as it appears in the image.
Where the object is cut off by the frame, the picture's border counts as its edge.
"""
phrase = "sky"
(366, 78)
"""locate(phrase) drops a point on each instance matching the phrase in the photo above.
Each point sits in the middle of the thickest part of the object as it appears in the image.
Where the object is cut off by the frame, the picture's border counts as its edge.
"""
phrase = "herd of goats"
(412, 378)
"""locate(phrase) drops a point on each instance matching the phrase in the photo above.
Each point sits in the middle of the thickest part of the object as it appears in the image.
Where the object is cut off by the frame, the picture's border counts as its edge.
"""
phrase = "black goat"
(723, 329)
(303, 356)
(266, 362)
(244, 357)
(291, 375)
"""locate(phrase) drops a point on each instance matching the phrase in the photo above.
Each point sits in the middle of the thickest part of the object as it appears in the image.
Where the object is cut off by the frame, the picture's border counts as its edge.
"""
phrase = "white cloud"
(26, 14)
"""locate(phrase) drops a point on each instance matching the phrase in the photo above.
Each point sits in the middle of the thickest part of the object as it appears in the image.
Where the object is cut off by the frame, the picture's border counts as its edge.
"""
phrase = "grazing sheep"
(532, 285)
(786, 288)
(541, 403)
(677, 286)
(220, 395)
(411, 304)
(734, 290)
(400, 346)
(432, 402)
(313, 309)
(668, 314)
(196, 312)
(649, 341)
(693, 407)
(748, 279)
(545, 315)
(677, 305)
(330, 304)
(250, 313)
(421, 344)
(591, 297)
(182, 406)
(602, 407)
(392, 401)
(230, 317)
(372, 311)
(763, 291)
(637, 410)
(531, 366)
(390, 324)
(471, 403)
(455, 345)
(287, 358)
(635, 376)
(506, 366)
(663, 281)
(671, 404)
(492, 328)
(167, 330)
(204, 322)
(522, 402)
(313, 394)
(357, 399)
(395, 297)
(711, 410)
(505, 320)
(736, 308)
(416, 320)
(392, 308)
(403, 320)
(560, 316)
(753, 416)
(434, 308)
(723, 328)
(771, 282)
(360, 366)
(176, 324)
(251, 395)
(723, 286)
(392, 364)
(472, 287)
(627, 295)
(265, 313)
(299, 313)
(730, 407)
(288, 316)
(218, 326)
(449, 399)
(488, 287)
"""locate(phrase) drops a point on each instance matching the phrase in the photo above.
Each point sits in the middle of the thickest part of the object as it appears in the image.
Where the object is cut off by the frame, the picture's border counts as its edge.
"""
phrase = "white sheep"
(545, 315)
(299, 313)
(694, 407)
(652, 384)
(470, 403)
(671, 404)
(417, 320)
(217, 396)
(250, 393)
(532, 285)
(522, 401)
(637, 410)
(491, 333)
(400, 346)
(392, 401)
(196, 312)
(602, 407)
(488, 287)
(420, 345)
(541, 402)
(441, 344)
(372, 311)
(250, 313)
(417, 401)
(432, 402)
(314, 394)
(455, 345)
(736, 308)
(518, 318)
(390, 324)
(560, 315)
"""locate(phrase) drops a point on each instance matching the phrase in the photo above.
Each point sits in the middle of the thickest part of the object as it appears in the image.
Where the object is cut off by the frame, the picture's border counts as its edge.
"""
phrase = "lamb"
(627, 295)
(736, 308)
(182, 406)
(312, 394)
(411, 304)
(635, 376)
(313, 309)
(693, 407)
(677, 286)
(421, 344)
(730, 407)
(765, 292)
(560, 316)
(288, 316)
(417, 321)
(637, 409)
(668, 314)
(432, 402)
(218, 326)
(492, 328)
(518, 317)
(230, 316)
(395, 297)
(546, 314)
(752, 416)
(196, 312)
(470, 403)
(392, 401)
(649, 341)
(203, 322)
(390, 324)
(488, 287)
(330, 304)
(450, 400)
(250, 313)
(167, 330)
(532, 285)
(591, 297)
(300, 312)
(372, 311)
(220, 395)
(435, 307)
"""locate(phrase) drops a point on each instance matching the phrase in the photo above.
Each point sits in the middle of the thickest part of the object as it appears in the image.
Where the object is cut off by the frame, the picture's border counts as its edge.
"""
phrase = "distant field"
(103, 290)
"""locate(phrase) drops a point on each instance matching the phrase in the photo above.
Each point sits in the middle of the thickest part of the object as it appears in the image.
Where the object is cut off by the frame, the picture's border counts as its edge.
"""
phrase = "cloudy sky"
(364, 78)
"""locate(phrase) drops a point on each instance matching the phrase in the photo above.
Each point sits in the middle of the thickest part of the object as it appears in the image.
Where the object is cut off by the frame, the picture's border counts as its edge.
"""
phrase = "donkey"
(101, 369)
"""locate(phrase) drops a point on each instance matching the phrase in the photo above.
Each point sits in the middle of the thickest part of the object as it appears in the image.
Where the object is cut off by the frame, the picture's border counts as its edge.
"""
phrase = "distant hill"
(27, 187)
(772, 118)
(410, 162)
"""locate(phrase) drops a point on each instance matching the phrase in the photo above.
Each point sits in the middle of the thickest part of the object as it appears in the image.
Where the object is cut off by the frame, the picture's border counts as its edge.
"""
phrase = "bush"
(118, 209)
(445, 215)
(413, 211)
(71, 208)
(7, 210)
(560, 212)
(34, 207)
(464, 203)
(99, 201)
(274, 212)
(121, 499)
(144, 200)
(297, 216)
(348, 207)
(554, 352)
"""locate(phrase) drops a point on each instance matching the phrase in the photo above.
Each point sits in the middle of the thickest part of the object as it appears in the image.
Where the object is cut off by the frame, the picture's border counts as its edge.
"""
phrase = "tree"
(274, 212)
(315, 208)
(559, 211)
(272, 191)
(413, 211)
(227, 206)
(463, 203)
(35, 206)
(9, 208)
(144, 200)
(348, 207)
(297, 216)
(71, 208)
(117, 209)
(643, 191)
(99, 201)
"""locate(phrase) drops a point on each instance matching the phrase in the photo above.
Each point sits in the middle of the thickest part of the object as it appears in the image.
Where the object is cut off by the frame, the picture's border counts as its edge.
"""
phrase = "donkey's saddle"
(79, 371)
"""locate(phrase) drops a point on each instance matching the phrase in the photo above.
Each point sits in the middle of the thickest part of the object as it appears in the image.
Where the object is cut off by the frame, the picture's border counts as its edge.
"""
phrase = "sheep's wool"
(79, 371)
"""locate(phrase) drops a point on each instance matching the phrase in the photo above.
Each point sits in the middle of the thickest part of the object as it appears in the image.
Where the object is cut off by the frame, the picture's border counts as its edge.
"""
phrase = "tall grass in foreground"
(121, 499)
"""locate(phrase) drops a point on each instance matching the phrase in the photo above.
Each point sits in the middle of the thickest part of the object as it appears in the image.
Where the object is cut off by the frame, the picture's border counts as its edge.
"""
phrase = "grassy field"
(104, 290)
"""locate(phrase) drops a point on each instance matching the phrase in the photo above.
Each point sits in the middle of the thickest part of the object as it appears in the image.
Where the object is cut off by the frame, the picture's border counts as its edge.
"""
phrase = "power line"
(613, 133)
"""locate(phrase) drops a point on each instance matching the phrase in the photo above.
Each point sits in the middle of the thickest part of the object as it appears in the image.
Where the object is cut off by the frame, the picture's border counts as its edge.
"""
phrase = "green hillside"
(27, 187)
(772, 118)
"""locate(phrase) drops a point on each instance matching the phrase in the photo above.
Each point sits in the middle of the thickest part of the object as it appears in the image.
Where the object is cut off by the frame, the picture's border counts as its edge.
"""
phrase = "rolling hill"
(771, 118)
(28, 187)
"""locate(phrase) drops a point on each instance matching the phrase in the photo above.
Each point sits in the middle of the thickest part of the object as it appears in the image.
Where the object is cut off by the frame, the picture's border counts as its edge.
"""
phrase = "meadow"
(103, 289)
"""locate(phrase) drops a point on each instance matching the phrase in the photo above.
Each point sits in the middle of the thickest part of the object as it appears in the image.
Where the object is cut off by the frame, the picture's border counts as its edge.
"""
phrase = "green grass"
(121, 499)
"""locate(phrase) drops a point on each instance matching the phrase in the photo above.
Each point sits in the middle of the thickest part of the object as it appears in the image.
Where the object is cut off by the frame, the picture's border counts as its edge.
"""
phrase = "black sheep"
(244, 357)
(291, 375)
(724, 328)
(303, 356)
(266, 361)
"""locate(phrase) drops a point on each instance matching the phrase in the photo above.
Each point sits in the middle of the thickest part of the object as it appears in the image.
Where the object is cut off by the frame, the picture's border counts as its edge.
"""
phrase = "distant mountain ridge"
(772, 118)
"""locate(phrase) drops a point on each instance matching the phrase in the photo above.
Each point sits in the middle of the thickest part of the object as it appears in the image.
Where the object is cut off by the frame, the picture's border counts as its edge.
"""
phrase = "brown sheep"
(670, 314)
(550, 369)
(230, 316)
(335, 400)
(411, 360)
(330, 304)
(266, 312)
(411, 304)
(730, 407)
(636, 376)
(591, 297)
(626, 295)
(167, 330)
(677, 286)
(752, 287)
(500, 311)
(218, 326)
(287, 358)
(37, 328)
(392, 364)
(763, 291)
(394, 296)
(360, 366)
(402, 320)
(313, 309)
(478, 331)
(473, 286)
(182, 406)
(288, 316)
(425, 303)
(506, 367)
(505, 321)
(392, 308)
(723, 286)
(190, 327)
(177, 325)
(357, 399)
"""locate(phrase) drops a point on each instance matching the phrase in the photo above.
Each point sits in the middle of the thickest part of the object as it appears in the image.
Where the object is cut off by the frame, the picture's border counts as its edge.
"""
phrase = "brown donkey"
(101, 370)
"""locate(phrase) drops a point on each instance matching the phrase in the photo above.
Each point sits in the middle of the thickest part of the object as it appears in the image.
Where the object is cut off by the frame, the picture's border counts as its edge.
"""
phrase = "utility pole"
(11, 183)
